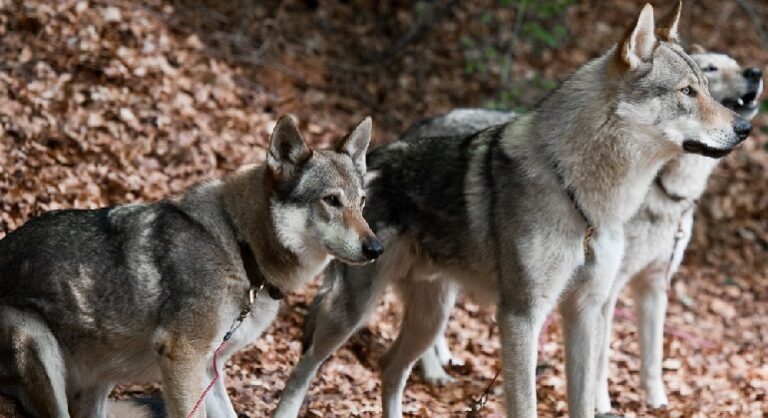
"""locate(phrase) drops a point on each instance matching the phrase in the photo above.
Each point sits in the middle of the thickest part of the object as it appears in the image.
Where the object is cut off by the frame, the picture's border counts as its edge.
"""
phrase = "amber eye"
(688, 91)
(332, 200)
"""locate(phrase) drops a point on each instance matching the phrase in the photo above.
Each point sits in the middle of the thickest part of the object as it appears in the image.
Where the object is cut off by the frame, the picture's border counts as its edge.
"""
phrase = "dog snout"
(753, 74)
(372, 248)
(742, 128)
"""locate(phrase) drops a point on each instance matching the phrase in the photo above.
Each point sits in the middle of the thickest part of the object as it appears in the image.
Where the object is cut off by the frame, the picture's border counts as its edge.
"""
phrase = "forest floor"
(105, 102)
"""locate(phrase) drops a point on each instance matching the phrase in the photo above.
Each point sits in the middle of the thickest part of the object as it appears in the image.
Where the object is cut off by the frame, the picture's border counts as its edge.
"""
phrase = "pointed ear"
(639, 43)
(667, 28)
(697, 49)
(287, 149)
(355, 144)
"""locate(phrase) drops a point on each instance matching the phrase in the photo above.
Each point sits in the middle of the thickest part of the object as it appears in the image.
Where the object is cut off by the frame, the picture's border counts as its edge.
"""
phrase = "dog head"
(736, 88)
(666, 94)
(319, 196)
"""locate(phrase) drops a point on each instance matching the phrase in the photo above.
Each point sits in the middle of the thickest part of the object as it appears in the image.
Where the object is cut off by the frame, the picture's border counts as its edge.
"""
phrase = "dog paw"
(439, 379)
(656, 398)
(452, 362)
(603, 402)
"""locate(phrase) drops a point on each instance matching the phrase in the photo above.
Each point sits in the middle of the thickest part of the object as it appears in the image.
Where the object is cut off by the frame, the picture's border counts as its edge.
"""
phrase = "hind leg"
(432, 361)
(427, 305)
(32, 363)
(91, 402)
(348, 294)
(650, 294)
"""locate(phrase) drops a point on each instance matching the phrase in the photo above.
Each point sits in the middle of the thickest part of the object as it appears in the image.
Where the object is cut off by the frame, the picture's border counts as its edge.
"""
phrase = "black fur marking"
(696, 147)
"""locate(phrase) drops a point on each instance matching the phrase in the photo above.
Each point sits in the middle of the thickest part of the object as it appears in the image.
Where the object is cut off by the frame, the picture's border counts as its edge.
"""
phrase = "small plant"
(537, 23)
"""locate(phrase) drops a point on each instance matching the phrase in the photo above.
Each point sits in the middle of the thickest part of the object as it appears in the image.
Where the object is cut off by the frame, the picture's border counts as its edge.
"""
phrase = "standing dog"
(658, 233)
(89, 298)
(511, 213)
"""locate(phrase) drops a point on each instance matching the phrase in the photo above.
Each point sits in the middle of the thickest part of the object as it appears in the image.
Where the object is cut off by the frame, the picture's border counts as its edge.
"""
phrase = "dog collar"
(591, 230)
(252, 270)
(672, 196)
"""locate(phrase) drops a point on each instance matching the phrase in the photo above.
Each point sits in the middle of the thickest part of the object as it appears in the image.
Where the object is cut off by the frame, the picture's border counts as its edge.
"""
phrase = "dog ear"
(355, 144)
(639, 42)
(667, 29)
(287, 149)
(697, 49)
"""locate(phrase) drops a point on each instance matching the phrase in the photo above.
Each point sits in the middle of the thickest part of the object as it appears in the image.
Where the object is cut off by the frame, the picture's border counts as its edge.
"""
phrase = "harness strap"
(591, 230)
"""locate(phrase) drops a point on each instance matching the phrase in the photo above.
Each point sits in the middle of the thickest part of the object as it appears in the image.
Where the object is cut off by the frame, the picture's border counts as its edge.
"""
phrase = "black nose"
(372, 248)
(753, 74)
(742, 128)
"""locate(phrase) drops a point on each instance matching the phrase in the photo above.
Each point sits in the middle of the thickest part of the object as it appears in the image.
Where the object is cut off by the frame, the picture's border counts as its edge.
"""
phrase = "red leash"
(213, 382)
(252, 295)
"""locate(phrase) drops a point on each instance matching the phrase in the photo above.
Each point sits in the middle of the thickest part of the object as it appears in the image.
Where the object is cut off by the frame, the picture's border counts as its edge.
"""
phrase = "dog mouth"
(746, 104)
(696, 147)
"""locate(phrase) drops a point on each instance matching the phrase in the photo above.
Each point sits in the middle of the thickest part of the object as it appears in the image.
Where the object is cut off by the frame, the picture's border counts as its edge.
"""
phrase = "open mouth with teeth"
(746, 105)
(696, 147)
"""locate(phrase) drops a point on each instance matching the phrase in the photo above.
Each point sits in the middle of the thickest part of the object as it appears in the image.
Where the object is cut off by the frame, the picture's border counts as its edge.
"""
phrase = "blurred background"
(106, 102)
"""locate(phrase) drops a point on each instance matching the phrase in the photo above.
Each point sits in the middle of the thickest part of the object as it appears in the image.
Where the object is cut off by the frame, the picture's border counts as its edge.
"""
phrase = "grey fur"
(650, 235)
(490, 212)
(137, 292)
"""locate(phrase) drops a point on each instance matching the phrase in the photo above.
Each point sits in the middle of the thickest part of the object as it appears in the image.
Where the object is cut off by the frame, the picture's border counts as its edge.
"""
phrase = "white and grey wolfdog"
(523, 215)
(138, 292)
(656, 236)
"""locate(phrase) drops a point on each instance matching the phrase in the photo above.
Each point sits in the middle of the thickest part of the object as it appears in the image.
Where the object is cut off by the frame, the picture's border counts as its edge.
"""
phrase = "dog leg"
(519, 335)
(602, 394)
(348, 296)
(33, 362)
(432, 369)
(650, 292)
(584, 323)
(183, 371)
(427, 306)
(432, 362)
(217, 403)
(91, 402)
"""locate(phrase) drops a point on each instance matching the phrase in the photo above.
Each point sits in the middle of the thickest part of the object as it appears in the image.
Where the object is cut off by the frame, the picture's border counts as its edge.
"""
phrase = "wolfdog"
(512, 212)
(140, 291)
(655, 237)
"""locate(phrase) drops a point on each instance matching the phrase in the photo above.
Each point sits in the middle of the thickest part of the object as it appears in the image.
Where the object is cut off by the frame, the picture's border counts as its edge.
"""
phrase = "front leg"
(584, 322)
(519, 331)
(217, 403)
(182, 368)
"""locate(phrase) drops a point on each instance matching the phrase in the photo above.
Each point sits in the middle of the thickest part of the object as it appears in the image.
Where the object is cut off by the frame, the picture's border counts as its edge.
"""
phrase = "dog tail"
(144, 407)
(329, 278)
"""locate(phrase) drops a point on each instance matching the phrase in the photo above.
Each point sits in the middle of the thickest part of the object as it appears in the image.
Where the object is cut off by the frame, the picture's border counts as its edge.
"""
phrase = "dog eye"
(688, 91)
(709, 69)
(332, 200)
(362, 202)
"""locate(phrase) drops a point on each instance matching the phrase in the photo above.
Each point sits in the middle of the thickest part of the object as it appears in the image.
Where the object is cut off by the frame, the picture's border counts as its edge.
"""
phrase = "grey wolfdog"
(656, 236)
(134, 292)
(512, 212)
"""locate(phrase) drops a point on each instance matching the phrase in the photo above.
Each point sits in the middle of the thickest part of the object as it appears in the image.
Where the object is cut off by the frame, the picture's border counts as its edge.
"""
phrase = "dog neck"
(607, 162)
(247, 201)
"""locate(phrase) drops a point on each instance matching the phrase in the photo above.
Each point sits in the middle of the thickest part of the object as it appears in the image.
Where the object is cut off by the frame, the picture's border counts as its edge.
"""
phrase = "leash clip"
(588, 234)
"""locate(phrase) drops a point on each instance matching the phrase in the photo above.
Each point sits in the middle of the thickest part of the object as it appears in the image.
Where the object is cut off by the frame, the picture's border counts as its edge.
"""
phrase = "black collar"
(672, 196)
(252, 270)
(571, 194)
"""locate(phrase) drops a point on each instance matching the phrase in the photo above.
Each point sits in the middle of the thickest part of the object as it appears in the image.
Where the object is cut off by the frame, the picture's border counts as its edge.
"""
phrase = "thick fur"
(650, 235)
(139, 292)
(491, 212)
